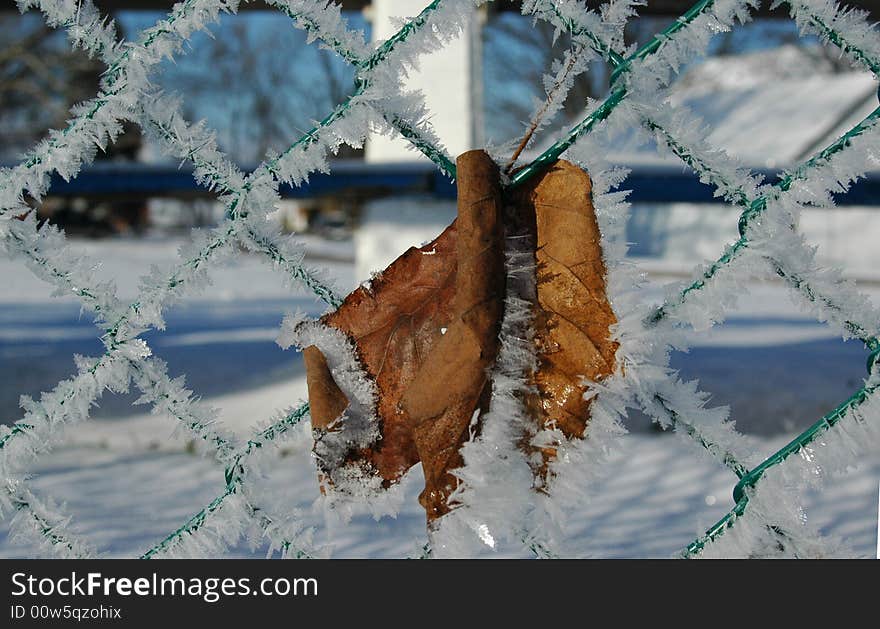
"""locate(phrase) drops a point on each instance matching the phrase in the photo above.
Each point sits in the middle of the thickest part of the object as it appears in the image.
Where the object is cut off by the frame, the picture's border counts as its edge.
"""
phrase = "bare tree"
(518, 53)
(40, 78)
(258, 83)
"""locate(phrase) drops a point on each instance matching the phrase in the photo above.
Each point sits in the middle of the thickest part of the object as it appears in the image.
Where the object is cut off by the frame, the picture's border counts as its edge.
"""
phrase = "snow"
(126, 496)
(747, 121)
(671, 238)
(128, 481)
(390, 226)
(769, 109)
(125, 260)
(774, 108)
(126, 93)
(770, 246)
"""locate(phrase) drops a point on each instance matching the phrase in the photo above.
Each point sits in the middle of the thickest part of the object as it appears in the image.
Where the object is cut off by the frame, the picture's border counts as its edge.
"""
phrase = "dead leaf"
(454, 384)
(394, 322)
(326, 399)
(426, 331)
(573, 315)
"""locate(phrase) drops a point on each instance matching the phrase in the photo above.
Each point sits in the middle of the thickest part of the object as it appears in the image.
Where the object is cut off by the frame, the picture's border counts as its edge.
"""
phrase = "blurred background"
(770, 96)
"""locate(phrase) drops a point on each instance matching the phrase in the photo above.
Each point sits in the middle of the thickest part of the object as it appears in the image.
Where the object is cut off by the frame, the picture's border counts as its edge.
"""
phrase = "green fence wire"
(620, 65)
(753, 208)
(236, 458)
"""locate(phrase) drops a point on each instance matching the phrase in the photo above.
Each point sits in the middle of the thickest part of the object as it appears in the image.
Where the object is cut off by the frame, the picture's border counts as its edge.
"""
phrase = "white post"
(450, 79)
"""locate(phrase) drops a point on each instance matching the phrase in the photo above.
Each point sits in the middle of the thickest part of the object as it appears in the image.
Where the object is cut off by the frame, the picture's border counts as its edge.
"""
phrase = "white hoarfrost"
(769, 246)
(496, 502)
(127, 94)
(358, 426)
(496, 490)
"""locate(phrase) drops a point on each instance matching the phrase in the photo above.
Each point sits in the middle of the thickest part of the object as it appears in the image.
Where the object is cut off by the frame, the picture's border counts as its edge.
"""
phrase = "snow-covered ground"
(128, 482)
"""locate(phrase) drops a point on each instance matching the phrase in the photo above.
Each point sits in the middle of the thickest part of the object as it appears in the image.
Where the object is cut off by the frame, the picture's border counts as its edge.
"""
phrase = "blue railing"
(648, 184)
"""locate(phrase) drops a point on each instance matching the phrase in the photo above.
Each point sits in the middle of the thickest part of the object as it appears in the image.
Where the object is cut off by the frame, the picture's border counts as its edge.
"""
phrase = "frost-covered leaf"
(427, 329)
(426, 332)
(573, 316)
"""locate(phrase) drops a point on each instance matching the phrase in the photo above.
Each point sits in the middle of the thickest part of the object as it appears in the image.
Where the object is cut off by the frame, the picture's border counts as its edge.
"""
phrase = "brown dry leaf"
(455, 285)
(573, 315)
(454, 384)
(326, 399)
(426, 330)
(394, 322)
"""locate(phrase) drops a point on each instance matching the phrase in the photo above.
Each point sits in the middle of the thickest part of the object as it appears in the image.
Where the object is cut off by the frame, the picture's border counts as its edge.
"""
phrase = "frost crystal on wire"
(766, 519)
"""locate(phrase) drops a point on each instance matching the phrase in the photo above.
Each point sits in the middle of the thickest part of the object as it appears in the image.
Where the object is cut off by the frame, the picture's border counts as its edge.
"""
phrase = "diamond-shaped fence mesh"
(767, 234)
